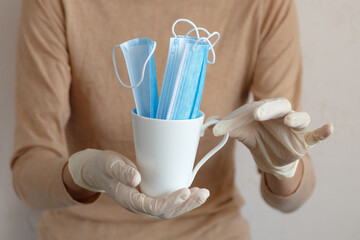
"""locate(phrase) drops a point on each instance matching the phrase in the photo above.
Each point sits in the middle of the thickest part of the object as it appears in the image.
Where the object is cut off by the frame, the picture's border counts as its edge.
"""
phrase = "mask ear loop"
(211, 45)
(200, 28)
(143, 70)
(217, 39)
(188, 21)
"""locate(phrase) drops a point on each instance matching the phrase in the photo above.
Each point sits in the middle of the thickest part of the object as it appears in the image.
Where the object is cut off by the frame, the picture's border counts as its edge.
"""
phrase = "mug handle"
(209, 122)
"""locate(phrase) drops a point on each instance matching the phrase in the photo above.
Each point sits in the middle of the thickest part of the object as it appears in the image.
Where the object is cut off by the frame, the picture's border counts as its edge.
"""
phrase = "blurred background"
(330, 37)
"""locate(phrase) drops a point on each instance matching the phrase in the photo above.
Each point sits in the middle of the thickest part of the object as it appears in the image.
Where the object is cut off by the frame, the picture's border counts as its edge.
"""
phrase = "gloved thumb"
(124, 173)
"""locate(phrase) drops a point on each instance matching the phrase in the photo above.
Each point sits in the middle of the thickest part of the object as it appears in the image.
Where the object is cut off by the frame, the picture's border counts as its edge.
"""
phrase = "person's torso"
(100, 105)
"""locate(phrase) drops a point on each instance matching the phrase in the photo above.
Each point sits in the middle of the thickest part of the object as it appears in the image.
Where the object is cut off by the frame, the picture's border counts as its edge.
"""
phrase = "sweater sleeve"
(43, 80)
(278, 73)
(298, 197)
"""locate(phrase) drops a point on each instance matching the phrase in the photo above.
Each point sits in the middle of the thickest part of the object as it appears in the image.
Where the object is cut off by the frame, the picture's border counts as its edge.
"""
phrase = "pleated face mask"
(184, 76)
(140, 63)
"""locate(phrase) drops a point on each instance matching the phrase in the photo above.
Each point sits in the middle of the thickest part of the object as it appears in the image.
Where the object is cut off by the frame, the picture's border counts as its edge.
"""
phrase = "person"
(71, 110)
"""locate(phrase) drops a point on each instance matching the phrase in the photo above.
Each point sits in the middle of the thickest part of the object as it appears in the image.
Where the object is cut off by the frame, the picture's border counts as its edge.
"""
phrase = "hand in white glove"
(113, 173)
(275, 135)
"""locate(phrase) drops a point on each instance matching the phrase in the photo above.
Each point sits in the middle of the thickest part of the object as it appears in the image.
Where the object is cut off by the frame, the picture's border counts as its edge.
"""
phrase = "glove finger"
(193, 189)
(242, 118)
(318, 135)
(131, 199)
(157, 207)
(167, 203)
(122, 157)
(196, 199)
(124, 173)
(297, 120)
(273, 109)
(237, 119)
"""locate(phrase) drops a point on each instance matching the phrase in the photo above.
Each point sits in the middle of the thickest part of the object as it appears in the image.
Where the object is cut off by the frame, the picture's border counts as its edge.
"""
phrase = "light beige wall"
(331, 45)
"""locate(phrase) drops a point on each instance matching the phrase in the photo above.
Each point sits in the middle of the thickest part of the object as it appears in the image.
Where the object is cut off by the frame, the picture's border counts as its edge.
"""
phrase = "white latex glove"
(113, 173)
(275, 135)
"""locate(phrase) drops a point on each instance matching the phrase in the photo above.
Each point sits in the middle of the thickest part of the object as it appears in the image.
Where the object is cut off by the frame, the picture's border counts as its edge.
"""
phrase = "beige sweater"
(68, 99)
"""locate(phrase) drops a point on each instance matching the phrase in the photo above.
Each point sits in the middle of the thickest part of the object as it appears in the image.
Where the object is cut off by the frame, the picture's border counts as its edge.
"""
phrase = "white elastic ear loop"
(211, 45)
(207, 32)
(143, 70)
(200, 28)
(188, 21)
(217, 39)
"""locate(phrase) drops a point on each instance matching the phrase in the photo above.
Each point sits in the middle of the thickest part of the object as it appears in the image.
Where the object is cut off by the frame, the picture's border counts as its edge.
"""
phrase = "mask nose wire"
(143, 69)
(211, 45)
(188, 21)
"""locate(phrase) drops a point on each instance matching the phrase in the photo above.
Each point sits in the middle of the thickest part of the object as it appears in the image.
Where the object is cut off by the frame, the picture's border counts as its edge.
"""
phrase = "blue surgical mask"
(140, 63)
(184, 76)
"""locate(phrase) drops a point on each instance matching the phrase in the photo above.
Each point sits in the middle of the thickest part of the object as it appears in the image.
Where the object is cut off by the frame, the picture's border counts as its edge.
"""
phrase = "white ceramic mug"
(166, 150)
